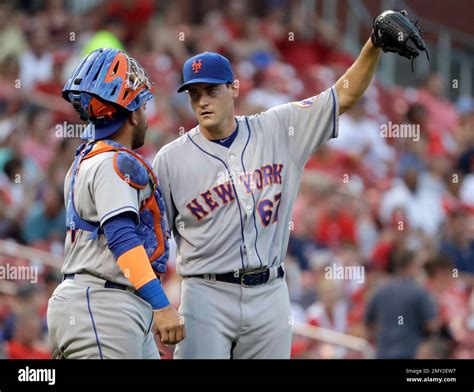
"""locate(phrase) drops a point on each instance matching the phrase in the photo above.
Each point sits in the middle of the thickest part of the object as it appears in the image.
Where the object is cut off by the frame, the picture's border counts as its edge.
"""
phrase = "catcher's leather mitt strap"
(394, 32)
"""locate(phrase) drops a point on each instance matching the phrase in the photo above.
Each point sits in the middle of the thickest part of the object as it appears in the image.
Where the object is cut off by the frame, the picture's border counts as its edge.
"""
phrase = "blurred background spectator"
(366, 196)
(401, 312)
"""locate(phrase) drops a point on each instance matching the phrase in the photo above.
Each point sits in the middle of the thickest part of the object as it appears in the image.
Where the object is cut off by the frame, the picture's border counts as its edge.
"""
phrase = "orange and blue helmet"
(105, 87)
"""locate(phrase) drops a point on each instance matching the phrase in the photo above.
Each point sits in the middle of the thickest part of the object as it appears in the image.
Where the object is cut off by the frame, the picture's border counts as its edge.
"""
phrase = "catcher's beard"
(138, 134)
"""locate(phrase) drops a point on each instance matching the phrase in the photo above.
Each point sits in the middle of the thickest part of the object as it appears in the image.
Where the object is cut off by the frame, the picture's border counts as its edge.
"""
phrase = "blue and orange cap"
(207, 67)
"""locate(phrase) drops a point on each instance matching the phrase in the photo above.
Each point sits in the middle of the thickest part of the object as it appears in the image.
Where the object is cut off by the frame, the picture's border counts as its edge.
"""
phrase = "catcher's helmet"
(105, 87)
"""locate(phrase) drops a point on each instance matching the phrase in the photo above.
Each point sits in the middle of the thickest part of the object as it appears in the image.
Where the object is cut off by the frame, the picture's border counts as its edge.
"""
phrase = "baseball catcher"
(117, 236)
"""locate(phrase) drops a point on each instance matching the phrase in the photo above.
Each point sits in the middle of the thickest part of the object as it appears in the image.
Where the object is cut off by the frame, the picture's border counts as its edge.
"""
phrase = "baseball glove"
(394, 32)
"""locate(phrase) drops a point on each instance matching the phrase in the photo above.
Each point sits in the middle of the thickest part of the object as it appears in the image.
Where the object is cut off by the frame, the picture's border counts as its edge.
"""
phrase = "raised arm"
(352, 85)
(393, 32)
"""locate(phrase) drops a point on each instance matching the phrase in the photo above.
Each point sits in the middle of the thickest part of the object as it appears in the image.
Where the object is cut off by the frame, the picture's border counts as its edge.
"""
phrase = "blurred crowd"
(399, 207)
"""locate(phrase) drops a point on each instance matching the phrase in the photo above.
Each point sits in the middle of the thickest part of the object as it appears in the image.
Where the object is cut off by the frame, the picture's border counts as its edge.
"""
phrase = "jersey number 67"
(265, 210)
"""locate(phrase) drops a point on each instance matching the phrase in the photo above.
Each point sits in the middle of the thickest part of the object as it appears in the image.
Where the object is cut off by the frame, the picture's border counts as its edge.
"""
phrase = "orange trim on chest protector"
(150, 203)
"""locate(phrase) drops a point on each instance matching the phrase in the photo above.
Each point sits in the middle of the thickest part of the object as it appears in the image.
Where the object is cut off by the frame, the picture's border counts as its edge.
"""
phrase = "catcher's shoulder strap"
(129, 166)
(73, 221)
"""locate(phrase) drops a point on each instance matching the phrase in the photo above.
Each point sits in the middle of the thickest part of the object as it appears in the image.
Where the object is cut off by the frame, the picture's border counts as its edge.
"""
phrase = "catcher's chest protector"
(136, 171)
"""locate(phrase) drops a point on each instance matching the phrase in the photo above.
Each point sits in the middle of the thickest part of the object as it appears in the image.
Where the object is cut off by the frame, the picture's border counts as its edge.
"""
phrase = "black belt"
(246, 278)
(107, 284)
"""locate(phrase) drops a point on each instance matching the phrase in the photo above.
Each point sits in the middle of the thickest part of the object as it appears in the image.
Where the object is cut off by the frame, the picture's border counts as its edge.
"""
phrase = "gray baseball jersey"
(97, 330)
(230, 208)
(99, 195)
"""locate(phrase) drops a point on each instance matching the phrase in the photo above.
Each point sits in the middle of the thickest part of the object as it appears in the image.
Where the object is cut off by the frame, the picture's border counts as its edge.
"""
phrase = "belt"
(107, 283)
(246, 278)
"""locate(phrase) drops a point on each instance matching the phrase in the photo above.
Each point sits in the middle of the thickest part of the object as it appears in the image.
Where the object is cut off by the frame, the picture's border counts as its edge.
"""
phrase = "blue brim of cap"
(201, 80)
(98, 132)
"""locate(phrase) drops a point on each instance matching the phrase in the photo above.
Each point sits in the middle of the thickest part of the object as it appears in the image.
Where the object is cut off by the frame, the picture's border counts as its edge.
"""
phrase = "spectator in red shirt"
(441, 113)
(452, 296)
(336, 225)
(134, 14)
(392, 237)
(26, 343)
(331, 310)
(440, 283)
(48, 92)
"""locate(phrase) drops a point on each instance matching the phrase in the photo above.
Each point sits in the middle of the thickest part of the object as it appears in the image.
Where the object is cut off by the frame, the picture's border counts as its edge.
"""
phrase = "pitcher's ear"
(236, 87)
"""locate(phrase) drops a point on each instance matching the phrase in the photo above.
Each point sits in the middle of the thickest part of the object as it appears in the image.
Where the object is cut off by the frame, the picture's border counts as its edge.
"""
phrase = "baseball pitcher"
(229, 186)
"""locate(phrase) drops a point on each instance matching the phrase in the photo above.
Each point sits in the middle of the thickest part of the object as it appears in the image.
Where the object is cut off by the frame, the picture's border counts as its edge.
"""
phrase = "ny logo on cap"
(197, 65)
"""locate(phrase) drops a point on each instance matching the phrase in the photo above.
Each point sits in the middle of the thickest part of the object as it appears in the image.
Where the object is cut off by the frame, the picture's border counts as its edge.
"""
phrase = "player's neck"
(123, 138)
(221, 131)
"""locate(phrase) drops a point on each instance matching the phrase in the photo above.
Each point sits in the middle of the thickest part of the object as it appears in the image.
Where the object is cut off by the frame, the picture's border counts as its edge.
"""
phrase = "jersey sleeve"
(307, 124)
(111, 194)
(160, 167)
